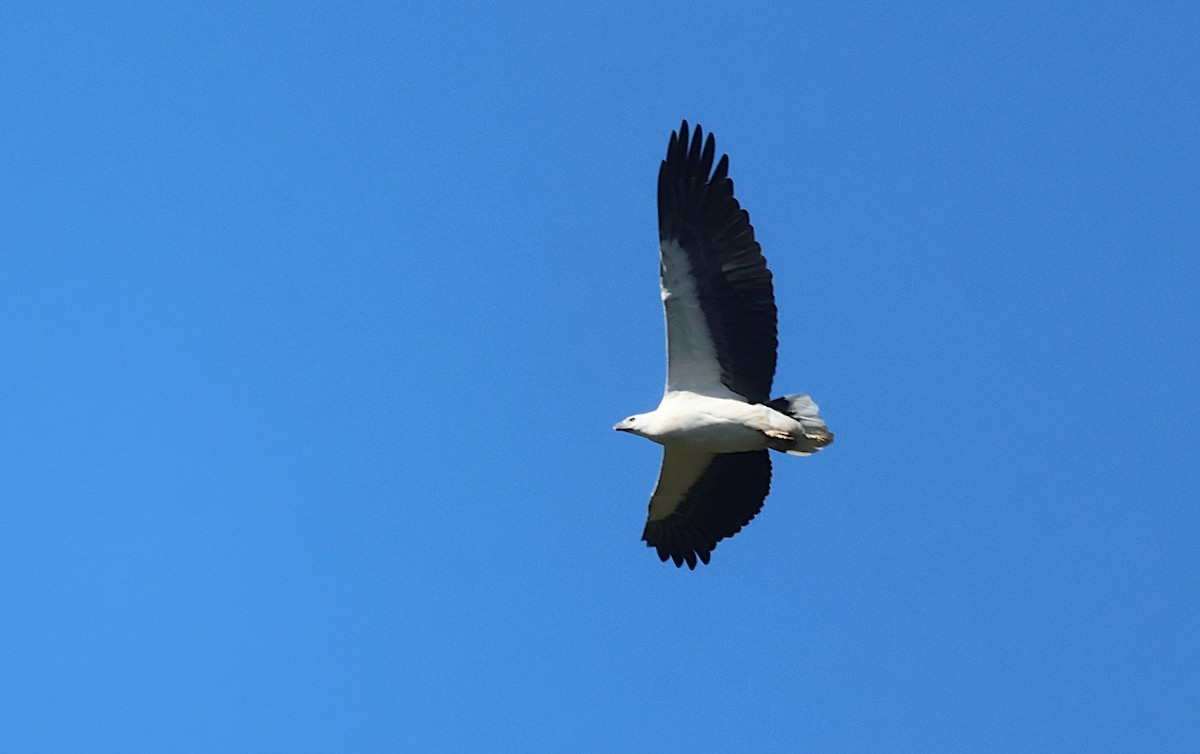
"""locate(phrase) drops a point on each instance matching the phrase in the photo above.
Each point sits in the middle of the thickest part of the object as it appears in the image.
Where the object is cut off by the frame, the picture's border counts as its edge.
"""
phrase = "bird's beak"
(620, 428)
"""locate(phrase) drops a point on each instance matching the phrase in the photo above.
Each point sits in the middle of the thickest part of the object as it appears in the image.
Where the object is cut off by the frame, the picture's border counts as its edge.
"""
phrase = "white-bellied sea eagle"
(716, 420)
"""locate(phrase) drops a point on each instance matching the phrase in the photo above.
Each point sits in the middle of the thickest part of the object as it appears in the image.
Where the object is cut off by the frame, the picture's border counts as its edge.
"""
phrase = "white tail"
(805, 410)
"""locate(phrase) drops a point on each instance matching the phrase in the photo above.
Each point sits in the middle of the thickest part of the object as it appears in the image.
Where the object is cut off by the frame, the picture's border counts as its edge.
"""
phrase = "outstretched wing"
(702, 498)
(716, 288)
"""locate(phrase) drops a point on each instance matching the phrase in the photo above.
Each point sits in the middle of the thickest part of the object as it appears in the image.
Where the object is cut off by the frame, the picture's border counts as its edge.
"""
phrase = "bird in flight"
(716, 420)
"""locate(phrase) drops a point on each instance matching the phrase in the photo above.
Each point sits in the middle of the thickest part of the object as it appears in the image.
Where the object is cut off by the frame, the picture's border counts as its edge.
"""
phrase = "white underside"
(698, 422)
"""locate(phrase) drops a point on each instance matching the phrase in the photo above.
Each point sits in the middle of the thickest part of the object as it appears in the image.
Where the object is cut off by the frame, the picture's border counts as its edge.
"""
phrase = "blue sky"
(318, 317)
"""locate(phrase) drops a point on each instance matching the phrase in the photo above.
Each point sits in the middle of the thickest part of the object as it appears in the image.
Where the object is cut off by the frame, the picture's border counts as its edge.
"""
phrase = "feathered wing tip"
(805, 410)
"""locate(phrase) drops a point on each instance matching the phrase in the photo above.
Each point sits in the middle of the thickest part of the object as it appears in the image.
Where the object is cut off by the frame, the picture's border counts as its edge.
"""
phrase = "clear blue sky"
(317, 318)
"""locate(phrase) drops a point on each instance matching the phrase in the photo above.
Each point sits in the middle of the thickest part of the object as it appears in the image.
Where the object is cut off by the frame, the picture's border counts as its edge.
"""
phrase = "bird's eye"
(630, 419)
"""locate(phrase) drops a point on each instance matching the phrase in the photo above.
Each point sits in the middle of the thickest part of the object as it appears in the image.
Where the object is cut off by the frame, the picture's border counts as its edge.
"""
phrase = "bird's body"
(715, 424)
(716, 421)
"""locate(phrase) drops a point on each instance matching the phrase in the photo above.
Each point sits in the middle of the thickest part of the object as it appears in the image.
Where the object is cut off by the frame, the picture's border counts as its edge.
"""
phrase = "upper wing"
(716, 288)
(702, 498)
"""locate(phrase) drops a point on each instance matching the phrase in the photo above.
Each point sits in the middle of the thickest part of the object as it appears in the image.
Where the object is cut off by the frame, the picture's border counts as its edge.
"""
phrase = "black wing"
(702, 226)
(702, 498)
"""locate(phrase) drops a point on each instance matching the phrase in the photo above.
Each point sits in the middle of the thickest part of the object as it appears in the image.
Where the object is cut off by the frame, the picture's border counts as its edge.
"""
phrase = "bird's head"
(634, 425)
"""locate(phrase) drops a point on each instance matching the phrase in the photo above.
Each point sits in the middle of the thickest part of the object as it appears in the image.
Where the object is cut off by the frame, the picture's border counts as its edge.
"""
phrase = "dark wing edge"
(697, 209)
(726, 496)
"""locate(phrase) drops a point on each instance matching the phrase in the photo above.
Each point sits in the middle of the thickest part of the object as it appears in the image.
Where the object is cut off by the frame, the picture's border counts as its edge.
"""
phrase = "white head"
(636, 424)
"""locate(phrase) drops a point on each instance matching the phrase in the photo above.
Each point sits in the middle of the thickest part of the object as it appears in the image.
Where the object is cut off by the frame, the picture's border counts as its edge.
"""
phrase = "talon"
(820, 440)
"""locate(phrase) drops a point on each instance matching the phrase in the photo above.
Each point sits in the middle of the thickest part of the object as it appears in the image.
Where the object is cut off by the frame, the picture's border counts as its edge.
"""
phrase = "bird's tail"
(803, 409)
